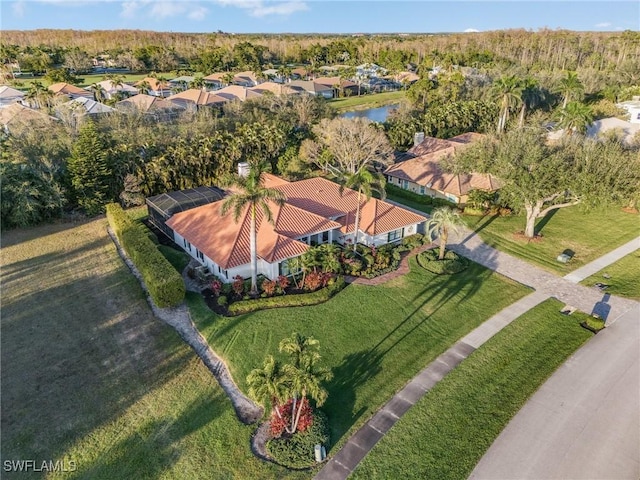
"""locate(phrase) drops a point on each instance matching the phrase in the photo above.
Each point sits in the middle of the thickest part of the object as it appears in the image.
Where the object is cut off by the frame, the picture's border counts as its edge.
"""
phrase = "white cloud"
(284, 8)
(198, 13)
(471, 30)
(159, 9)
(168, 9)
(18, 8)
(603, 24)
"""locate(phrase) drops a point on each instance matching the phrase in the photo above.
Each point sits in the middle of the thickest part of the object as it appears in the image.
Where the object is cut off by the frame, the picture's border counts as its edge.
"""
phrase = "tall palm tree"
(144, 87)
(227, 78)
(444, 221)
(571, 88)
(269, 384)
(99, 95)
(506, 92)
(197, 82)
(303, 349)
(365, 183)
(39, 94)
(253, 195)
(531, 96)
(163, 84)
(575, 117)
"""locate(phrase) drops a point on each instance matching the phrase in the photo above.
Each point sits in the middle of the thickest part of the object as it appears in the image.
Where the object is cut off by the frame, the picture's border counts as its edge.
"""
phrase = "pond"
(378, 114)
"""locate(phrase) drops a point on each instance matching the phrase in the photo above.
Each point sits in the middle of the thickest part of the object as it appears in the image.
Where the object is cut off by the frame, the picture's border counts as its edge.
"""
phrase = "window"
(186, 243)
(325, 237)
(422, 190)
(395, 235)
(405, 184)
(199, 254)
(305, 240)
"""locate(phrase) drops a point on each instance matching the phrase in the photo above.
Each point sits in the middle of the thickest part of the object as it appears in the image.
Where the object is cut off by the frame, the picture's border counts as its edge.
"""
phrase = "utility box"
(321, 453)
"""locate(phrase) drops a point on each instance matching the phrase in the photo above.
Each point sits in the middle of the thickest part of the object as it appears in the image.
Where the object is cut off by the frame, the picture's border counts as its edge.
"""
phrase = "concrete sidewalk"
(603, 262)
(358, 446)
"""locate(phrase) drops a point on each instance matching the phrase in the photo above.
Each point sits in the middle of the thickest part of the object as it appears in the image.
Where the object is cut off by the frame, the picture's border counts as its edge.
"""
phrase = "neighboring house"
(236, 92)
(182, 82)
(198, 98)
(86, 106)
(156, 88)
(215, 81)
(69, 90)
(315, 212)
(150, 106)
(338, 85)
(246, 79)
(311, 88)
(110, 89)
(419, 171)
(369, 70)
(633, 109)
(275, 88)
(10, 95)
(406, 78)
(17, 114)
(299, 73)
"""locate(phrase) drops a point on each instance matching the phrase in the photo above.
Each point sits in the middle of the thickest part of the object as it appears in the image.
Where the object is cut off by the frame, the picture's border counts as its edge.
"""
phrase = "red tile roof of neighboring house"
(313, 206)
(63, 88)
(199, 97)
(237, 92)
(147, 103)
(423, 167)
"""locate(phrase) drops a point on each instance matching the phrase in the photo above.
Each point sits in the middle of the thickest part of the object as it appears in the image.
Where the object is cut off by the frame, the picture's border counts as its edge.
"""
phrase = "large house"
(10, 95)
(419, 170)
(315, 212)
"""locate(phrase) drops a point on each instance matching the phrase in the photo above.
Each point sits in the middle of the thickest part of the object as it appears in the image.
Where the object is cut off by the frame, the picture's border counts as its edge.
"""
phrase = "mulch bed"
(522, 237)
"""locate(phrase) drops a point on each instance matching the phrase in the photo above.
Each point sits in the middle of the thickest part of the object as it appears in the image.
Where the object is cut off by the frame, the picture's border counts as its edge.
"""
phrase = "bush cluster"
(297, 451)
(304, 299)
(452, 262)
(165, 284)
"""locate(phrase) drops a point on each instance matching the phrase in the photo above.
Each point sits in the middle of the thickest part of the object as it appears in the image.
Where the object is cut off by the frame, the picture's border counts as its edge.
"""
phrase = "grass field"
(590, 235)
(366, 101)
(624, 277)
(89, 375)
(446, 433)
(373, 338)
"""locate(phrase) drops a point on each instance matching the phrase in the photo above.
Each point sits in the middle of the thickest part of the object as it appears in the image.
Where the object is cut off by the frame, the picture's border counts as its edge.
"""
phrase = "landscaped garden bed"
(450, 264)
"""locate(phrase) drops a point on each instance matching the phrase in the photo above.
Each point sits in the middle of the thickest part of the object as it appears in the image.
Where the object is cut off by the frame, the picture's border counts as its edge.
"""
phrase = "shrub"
(452, 262)
(222, 301)
(297, 451)
(283, 283)
(312, 281)
(269, 287)
(278, 423)
(164, 283)
(300, 300)
(216, 286)
(413, 241)
(238, 285)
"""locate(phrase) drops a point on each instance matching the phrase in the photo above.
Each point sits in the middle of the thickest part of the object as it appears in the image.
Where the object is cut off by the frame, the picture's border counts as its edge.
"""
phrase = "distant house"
(633, 109)
(274, 88)
(86, 106)
(245, 79)
(17, 114)
(152, 107)
(312, 88)
(236, 92)
(156, 88)
(182, 82)
(419, 171)
(368, 70)
(315, 212)
(626, 130)
(10, 95)
(338, 85)
(69, 90)
(300, 73)
(215, 81)
(110, 89)
(195, 97)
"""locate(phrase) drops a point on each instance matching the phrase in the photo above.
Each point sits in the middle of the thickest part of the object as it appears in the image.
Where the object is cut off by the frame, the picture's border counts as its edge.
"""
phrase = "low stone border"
(178, 317)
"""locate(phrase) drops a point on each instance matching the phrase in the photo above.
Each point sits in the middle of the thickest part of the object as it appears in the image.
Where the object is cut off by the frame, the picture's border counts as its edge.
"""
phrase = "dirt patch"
(521, 237)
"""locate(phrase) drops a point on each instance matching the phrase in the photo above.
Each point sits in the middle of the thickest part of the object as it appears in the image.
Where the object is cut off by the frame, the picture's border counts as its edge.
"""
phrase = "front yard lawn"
(588, 234)
(446, 433)
(373, 338)
(623, 277)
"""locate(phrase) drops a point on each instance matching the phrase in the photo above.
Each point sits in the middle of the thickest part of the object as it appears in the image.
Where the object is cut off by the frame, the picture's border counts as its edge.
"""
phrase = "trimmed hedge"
(298, 451)
(298, 300)
(165, 284)
(452, 262)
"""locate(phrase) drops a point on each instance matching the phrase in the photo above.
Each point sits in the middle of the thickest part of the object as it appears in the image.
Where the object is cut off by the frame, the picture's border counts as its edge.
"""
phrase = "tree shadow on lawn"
(76, 356)
(543, 222)
(151, 449)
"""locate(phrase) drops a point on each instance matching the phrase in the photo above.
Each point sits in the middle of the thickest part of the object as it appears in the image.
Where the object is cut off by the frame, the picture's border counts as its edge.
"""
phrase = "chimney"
(243, 169)
(418, 138)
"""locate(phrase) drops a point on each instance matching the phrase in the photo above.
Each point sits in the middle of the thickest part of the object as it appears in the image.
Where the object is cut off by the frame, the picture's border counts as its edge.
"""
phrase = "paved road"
(584, 422)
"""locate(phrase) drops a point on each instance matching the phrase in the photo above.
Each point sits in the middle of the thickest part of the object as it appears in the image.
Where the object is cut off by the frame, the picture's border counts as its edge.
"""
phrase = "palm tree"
(444, 221)
(252, 195)
(99, 95)
(571, 88)
(575, 117)
(507, 92)
(39, 94)
(227, 78)
(269, 384)
(366, 183)
(197, 82)
(531, 96)
(304, 376)
(163, 83)
(144, 87)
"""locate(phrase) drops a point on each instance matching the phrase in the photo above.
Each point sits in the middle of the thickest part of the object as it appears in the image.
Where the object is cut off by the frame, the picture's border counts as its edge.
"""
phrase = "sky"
(319, 16)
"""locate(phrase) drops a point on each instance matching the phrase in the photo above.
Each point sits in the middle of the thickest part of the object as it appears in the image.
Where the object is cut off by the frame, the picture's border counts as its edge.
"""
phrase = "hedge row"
(415, 197)
(452, 262)
(165, 284)
(298, 300)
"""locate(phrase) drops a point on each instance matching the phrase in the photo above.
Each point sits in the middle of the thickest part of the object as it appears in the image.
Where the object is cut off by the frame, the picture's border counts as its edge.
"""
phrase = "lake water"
(378, 114)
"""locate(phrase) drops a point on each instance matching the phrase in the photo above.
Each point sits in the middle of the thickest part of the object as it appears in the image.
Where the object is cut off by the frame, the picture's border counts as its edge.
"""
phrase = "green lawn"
(89, 375)
(410, 203)
(373, 338)
(624, 277)
(446, 433)
(590, 235)
(366, 101)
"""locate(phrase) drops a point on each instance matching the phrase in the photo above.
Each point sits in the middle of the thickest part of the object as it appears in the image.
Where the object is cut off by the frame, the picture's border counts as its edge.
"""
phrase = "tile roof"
(421, 165)
(63, 88)
(237, 92)
(90, 106)
(147, 103)
(7, 92)
(198, 96)
(313, 206)
(154, 84)
(16, 112)
(275, 88)
(331, 81)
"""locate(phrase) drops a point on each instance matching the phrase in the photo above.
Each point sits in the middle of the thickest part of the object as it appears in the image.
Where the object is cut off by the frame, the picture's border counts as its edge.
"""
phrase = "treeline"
(54, 167)
(545, 50)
